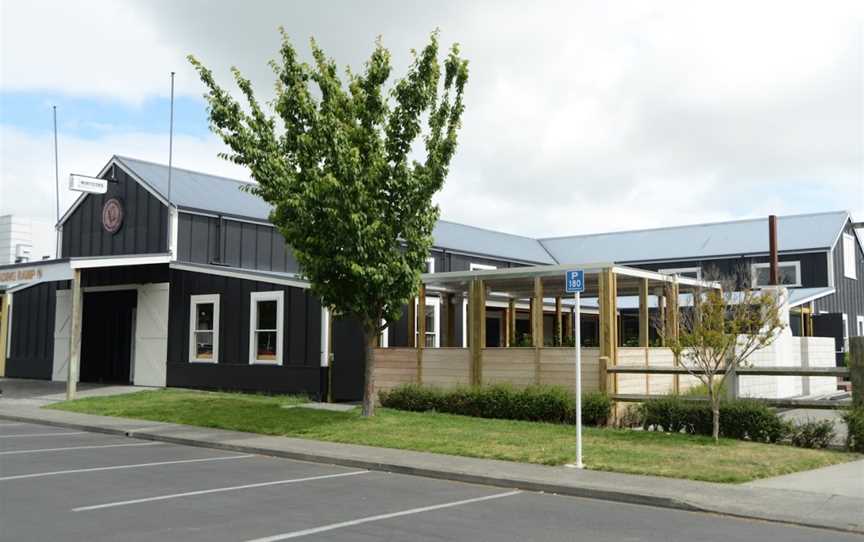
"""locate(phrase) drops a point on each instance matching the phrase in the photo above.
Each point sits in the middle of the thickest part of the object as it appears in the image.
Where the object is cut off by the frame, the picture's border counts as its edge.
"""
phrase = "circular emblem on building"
(112, 215)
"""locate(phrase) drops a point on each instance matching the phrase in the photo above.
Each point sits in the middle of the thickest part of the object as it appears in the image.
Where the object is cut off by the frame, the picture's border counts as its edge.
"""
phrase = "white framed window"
(790, 274)
(430, 264)
(432, 314)
(689, 272)
(481, 267)
(204, 328)
(266, 314)
(849, 257)
(860, 325)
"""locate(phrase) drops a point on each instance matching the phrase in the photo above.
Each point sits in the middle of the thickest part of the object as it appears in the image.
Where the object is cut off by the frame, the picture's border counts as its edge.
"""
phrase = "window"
(430, 265)
(689, 272)
(481, 267)
(265, 327)
(849, 257)
(790, 274)
(860, 322)
(204, 328)
(432, 314)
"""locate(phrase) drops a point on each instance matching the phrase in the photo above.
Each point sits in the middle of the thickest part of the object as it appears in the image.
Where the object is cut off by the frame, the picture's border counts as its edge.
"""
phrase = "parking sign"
(575, 281)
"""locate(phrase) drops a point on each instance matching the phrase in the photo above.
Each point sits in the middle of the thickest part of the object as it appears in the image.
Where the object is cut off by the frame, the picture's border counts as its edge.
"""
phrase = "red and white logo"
(112, 215)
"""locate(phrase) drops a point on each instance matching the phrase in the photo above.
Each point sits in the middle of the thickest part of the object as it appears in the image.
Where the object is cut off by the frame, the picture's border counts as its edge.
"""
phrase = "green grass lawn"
(634, 452)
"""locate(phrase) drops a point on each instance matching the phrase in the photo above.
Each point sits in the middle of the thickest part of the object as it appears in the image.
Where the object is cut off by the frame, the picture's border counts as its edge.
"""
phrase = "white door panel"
(62, 335)
(151, 335)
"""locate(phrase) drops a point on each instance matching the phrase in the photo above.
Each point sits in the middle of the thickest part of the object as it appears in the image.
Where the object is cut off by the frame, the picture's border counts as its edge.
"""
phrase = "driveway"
(22, 391)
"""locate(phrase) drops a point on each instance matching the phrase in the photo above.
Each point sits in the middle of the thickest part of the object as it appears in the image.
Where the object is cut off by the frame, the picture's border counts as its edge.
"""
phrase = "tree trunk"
(715, 414)
(371, 337)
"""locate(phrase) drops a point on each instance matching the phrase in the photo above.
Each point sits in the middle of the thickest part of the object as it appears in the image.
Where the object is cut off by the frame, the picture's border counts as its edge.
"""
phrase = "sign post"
(575, 284)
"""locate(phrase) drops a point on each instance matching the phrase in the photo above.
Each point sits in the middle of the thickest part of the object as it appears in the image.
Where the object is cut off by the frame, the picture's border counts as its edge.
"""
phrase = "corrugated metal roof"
(794, 232)
(195, 190)
(459, 237)
(221, 195)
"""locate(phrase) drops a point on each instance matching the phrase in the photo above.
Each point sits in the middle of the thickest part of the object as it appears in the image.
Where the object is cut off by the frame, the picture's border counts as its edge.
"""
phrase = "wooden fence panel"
(394, 367)
(557, 368)
(509, 366)
(446, 367)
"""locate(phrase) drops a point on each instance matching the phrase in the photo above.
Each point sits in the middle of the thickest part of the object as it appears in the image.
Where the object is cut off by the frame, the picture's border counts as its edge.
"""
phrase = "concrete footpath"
(820, 509)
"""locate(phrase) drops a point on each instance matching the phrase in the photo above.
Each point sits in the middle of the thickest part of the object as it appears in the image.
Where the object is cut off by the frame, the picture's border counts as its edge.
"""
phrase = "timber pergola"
(541, 285)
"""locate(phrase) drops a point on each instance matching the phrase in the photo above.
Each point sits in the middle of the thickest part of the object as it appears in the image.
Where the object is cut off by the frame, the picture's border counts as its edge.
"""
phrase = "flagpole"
(56, 188)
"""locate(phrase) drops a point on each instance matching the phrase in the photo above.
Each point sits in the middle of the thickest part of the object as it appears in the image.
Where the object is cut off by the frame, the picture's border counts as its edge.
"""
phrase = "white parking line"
(39, 450)
(343, 524)
(120, 467)
(215, 490)
(43, 434)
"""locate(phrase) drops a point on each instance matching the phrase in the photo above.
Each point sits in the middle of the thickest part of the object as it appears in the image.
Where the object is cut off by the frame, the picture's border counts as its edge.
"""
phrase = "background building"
(25, 239)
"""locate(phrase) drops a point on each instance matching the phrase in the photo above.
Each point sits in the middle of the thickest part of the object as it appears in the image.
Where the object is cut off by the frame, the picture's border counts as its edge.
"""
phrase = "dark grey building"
(197, 289)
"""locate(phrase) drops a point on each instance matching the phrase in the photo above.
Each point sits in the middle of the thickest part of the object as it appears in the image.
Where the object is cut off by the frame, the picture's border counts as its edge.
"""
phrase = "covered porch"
(517, 327)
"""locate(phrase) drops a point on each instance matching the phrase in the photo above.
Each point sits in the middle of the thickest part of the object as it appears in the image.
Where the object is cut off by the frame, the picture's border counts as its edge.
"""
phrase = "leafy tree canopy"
(331, 155)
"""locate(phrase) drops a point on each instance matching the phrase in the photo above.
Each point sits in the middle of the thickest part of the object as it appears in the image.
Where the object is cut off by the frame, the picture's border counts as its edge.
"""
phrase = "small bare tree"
(719, 332)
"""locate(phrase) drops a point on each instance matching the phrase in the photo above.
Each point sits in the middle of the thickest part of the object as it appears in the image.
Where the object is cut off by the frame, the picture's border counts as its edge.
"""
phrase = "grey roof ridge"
(680, 226)
(187, 170)
(488, 229)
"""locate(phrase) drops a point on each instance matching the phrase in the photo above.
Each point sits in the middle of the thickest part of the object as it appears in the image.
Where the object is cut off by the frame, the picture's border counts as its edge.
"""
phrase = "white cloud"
(580, 116)
(27, 183)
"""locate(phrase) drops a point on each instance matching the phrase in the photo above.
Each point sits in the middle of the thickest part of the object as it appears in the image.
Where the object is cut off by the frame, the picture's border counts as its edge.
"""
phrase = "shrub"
(813, 434)
(534, 403)
(854, 419)
(740, 419)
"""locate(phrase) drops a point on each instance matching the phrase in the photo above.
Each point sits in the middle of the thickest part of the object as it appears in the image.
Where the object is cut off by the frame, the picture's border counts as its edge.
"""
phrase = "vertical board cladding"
(208, 239)
(31, 344)
(144, 229)
(849, 295)
(301, 336)
(814, 266)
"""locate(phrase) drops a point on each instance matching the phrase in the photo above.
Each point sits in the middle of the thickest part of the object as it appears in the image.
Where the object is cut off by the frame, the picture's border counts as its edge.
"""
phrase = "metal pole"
(171, 139)
(774, 264)
(577, 341)
(56, 188)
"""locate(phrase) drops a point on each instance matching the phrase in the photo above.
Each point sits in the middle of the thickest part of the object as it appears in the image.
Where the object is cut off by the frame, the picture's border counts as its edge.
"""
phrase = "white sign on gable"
(83, 183)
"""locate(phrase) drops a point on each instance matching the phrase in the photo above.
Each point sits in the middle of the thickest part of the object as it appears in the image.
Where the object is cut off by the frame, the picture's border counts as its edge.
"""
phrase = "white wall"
(15, 230)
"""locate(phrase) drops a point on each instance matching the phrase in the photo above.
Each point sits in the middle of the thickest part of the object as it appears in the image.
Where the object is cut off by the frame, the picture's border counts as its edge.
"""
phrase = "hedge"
(534, 403)
(854, 419)
(739, 419)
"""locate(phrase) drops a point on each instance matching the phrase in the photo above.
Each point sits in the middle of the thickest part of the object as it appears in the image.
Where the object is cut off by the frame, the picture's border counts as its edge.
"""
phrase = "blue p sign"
(575, 281)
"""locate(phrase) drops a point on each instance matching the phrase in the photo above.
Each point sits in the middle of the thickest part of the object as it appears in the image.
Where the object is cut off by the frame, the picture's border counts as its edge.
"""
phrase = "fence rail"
(741, 371)
(779, 403)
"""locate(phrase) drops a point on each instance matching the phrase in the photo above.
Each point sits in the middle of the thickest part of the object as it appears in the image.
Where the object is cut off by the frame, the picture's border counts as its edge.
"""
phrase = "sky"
(580, 116)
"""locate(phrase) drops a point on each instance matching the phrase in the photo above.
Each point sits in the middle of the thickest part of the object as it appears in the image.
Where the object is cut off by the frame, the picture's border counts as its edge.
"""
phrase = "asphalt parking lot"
(62, 484)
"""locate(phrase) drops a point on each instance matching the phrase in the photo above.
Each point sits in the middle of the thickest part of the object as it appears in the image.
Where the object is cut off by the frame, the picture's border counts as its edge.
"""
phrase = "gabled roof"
(198, 191)
(462, 238)
(193, 190)
(795, 233)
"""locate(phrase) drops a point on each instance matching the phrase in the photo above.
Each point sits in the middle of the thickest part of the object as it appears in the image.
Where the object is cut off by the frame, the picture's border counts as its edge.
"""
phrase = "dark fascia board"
(723, 256)
(31, 264)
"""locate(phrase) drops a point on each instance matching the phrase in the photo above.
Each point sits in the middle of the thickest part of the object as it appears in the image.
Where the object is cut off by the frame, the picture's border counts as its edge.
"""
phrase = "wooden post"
(643, 313)
(537, 314)
(412, 324)
(511, 331)
(559, 325)
(607, 299)
(856, 370)
(661, 314)
(75, 347)
(477, 325)
(421, 331)
(671, 325)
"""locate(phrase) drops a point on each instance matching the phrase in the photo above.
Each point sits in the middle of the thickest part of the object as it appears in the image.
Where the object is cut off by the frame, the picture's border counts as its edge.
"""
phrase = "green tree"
(334, 160)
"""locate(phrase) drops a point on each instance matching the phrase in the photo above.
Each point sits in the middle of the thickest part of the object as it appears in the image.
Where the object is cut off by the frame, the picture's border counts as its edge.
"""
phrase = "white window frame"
(481, 267)
(194, 301)
(430, 301)
(859, 327)
(754, 273)
(430, 264)
(845, 332)
(849, 258)
(254, 298)
(680, 270)
(385, 335)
